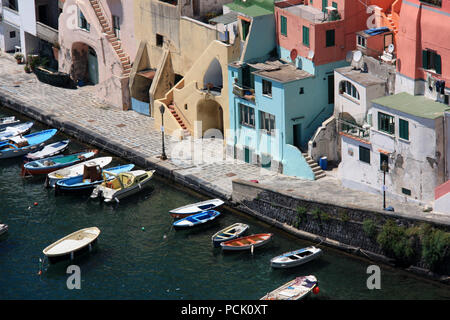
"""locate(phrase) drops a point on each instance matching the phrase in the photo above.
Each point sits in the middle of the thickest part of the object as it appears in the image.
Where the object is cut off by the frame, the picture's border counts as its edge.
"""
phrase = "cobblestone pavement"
(81, 107)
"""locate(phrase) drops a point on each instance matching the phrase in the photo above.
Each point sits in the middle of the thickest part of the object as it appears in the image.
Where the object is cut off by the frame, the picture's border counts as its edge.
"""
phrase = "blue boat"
(47, 165)
(92, 175)
(196, 219)
(18, 146)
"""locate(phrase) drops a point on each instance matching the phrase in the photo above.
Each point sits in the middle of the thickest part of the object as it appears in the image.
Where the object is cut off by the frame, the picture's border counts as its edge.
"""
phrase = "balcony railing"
(244, 92)
(354, 130)
(46, 32)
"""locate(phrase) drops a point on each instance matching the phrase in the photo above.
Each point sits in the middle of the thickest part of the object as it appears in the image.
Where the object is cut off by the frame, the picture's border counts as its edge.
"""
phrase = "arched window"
(346, 87)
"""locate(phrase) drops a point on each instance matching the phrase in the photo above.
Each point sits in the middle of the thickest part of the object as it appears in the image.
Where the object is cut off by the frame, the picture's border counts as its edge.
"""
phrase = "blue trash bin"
(323, 162)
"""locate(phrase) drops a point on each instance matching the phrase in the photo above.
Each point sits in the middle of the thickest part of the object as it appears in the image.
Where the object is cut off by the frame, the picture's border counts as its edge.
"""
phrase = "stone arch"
(210, 113)
(213, 75)
(84, 63)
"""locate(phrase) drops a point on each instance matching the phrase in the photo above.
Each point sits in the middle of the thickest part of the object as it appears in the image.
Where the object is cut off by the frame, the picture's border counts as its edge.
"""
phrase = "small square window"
(302, 90)
(364, 154)
(12, 34)
(406, 191)
(267, 88)
(159, 40)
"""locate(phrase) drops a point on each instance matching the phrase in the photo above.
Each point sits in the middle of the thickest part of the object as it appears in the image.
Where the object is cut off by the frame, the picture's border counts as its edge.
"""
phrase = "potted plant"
(19, 57)
(27, 68)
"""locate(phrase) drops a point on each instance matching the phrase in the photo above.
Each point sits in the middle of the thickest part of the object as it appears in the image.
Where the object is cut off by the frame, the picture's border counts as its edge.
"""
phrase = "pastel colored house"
(411, 134)
(423, 50)
(97, 40)
(30, 27)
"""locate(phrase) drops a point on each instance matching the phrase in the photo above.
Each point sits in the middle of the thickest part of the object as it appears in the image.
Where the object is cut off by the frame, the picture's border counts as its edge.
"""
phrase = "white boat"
(15, 130)
(296, 258)
(49, 150)
(229, 233)
(74, 170)
(72, 244)
(296, 289)
(191, 209)
(8, 121)
(3, 228)
(125, 184)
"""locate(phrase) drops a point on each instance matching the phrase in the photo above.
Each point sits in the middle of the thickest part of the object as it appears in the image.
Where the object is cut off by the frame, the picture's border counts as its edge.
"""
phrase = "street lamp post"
(384, 166)
(163, 155)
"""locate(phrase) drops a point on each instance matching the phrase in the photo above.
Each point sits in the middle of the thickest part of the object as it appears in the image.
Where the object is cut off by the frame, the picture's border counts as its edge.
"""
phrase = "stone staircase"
(392, 23)
(114, 41)
(317, 170)
(177, 117)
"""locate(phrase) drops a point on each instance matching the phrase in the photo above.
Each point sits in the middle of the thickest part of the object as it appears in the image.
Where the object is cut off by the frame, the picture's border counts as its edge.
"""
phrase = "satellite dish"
(357, 56)
(391, 48)
(349, 56)
(293, 54)
(310, 54)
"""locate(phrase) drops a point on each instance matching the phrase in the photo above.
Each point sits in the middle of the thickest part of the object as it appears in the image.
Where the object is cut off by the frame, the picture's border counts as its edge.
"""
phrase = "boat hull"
(62, 145)
(191, 221)
(195, 208)
(296, 289)
(227, 246)
(216, 240)
(73, 254)
(20, 152)
(280, 263)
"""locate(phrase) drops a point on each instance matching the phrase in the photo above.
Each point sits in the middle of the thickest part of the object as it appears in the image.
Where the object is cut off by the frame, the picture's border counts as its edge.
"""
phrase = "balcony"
(10, 16)
(348, 128)
(244, 92)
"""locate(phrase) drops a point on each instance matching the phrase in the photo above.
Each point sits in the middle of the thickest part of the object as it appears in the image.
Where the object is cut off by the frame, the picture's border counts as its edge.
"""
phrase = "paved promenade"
(132, 136)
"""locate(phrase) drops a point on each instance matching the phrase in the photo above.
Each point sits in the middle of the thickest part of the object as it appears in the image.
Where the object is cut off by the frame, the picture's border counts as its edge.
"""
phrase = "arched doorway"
(212, 78)
(84, 63)
(210, 113)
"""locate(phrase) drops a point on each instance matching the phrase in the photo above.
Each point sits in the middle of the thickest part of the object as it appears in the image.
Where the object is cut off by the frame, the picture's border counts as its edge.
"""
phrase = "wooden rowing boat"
(196, 219)
(248, 242)
(20, 145)
(72, 244)
(191, 209)
(229, 233)
(49, 150)
(296, 289)
(296, 258)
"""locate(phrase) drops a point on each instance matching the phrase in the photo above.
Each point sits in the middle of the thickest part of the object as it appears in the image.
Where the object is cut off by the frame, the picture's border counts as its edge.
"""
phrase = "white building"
(28, 26)
(411, 134)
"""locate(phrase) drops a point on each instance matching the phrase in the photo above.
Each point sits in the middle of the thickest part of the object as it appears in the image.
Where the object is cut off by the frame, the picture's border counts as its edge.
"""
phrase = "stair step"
(320, 176)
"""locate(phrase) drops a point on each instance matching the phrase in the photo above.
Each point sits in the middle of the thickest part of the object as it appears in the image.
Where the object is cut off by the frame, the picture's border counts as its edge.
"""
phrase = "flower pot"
(55, 53)
(19, 61)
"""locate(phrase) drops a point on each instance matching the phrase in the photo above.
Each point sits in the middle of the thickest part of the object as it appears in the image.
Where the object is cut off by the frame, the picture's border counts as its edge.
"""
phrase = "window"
(403, 129)
(283, 21)
(159, 40)
(82, 22)
(302, 90)
(431, 61)
(364, 154)
(349, 89)
(247, 115)
(437, 3)
(329, 38)
(116, 26)
(245, 29)
(406, 191)
(267, 121)
(361, 41)
(386, 123)
(13, 5)
(12, 34)
(267, 88)
(306, 36)
(384, 157)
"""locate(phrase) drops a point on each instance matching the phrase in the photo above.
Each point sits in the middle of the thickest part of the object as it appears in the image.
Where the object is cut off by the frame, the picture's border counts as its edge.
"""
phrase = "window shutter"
(424, 59)
(437, 63)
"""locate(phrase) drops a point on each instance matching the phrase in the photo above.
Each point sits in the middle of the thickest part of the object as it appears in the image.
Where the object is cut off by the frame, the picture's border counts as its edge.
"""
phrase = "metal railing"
(353, 129)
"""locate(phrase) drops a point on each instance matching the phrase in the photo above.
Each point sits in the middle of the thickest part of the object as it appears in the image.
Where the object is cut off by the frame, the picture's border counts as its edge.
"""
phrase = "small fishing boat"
(296, 289)
(123, 185)
(295, 258)
(229, 233)
(248, 242)
(15, 130)
(185, 211)
(92, 176)
(8, 121)
(196, 219)
(3, 228)
(75, 170)
(49, 150)
(72, 245)
(47, 165)
(19, 145)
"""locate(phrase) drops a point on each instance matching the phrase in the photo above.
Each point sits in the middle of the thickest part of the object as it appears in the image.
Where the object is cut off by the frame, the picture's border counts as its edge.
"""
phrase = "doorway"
(92, 66)
(297, 135)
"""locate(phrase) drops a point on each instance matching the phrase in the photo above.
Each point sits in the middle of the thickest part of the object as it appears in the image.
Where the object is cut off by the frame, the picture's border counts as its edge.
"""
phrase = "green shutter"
(425, 59)
(329, 38)
(364, 154)
(404, 129)
(437, 63)
(283, 26)
(306, 36)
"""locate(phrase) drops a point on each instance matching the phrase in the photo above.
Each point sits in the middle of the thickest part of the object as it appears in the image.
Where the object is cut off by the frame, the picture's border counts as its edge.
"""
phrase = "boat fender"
(35, 204)
(316, 290)
(251, 249)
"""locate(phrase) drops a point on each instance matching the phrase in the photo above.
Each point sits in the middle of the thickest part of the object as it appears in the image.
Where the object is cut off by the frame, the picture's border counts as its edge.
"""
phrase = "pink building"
(423, 49)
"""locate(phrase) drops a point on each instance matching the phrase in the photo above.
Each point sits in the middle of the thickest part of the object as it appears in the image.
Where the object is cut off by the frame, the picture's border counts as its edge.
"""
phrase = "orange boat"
(248, 242)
